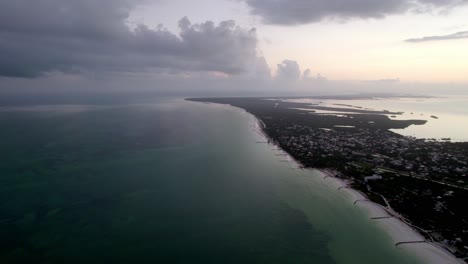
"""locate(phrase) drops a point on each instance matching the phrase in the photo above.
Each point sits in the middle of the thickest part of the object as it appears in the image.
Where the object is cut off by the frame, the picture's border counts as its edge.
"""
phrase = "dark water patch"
(77, 188)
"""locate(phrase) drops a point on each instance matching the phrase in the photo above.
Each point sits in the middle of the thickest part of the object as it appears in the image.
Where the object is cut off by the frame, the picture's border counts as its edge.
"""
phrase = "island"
(423, 181)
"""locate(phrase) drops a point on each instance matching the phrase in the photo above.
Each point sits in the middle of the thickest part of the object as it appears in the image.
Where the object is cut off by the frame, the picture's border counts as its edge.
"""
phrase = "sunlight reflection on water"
(447, 116)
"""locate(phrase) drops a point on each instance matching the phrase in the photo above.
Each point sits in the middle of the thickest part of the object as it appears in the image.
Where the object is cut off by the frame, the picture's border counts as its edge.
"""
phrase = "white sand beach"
(399, 231)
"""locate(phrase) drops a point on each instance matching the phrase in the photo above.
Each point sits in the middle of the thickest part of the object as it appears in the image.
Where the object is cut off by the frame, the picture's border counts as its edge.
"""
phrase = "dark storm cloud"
(290, 12)
(43, 36)
(458, 35)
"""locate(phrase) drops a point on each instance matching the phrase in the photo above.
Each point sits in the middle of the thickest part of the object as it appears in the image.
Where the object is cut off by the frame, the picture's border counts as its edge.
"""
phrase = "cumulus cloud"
(307, 76)
(42, 36)
(288, 70)
(458, 35)
(290, 12)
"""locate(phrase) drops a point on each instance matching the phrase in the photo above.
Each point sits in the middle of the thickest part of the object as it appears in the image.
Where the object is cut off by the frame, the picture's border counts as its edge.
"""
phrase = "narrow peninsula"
(424, 181)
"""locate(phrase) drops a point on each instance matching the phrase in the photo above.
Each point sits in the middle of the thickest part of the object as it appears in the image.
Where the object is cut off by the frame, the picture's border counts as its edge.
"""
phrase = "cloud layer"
(458, 35)
(290, 12)
(42, 36)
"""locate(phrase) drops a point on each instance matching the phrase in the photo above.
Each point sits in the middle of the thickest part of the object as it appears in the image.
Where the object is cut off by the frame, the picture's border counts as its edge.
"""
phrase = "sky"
(229, 46)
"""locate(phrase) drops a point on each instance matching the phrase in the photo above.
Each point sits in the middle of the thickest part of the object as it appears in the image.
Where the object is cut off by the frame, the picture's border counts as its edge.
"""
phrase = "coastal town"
(424, 180)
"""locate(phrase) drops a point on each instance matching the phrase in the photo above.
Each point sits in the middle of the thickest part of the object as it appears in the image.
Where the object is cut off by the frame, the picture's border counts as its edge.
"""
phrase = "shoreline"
(395, 225)
(397, 228)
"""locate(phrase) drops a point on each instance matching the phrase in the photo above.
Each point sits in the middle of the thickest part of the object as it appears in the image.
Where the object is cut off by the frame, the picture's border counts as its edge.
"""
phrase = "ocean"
(169, 181)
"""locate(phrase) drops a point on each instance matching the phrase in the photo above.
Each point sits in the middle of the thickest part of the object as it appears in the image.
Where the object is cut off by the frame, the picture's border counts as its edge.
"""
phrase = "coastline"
(395, 225)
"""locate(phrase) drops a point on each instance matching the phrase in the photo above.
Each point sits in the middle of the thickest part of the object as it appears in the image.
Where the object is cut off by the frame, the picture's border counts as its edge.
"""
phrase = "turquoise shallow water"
(169, 182)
